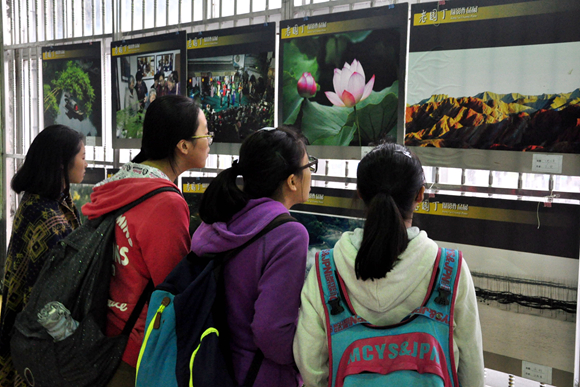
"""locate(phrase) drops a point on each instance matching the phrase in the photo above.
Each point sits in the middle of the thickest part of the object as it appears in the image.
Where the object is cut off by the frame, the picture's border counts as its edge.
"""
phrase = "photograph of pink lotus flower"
(306, 86)
(342, 88)
(349, 85)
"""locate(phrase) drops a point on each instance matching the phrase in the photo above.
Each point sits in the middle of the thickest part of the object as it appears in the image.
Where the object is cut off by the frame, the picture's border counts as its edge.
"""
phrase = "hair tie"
(236, 168)
(386, 192)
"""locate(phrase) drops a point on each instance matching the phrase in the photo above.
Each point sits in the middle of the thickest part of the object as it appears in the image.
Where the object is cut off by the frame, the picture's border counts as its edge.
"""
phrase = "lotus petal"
(334, 99)
(344, 78)
(357, 67)
(356, 86)
(336, 81)
(348, 99)
(368, 88)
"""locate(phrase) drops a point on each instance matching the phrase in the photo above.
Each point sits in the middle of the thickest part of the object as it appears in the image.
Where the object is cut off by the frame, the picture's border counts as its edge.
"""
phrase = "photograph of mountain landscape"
(479, 79)
(546, 122)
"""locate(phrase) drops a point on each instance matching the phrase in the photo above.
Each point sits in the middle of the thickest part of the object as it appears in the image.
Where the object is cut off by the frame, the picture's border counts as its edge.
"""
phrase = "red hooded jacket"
(151, 239)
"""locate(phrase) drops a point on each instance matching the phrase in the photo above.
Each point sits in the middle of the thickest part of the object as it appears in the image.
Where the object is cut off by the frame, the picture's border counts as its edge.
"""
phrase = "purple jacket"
(263, 285)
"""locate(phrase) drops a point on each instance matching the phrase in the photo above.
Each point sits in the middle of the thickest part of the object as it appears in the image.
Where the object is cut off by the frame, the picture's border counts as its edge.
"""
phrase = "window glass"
(567, 183)
(534, 181)
(450, 176)
(505, 179)
(477, 177)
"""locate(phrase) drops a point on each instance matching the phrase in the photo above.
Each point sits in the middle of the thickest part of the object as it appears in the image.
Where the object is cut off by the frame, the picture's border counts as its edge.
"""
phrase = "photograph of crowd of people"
(146, 65)
(139, 85)
(235, 91)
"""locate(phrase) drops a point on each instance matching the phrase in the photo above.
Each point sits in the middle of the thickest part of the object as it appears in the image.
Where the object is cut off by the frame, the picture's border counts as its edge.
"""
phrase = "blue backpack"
(418, 351)
(186, 338)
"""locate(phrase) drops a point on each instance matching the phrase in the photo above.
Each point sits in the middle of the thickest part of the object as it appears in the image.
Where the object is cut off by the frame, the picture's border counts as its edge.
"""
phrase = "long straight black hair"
(47, 162)
(389, 179)
(267, 158)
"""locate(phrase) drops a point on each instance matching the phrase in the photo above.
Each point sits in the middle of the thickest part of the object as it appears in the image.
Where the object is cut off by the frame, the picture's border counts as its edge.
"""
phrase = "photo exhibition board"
(495, 85)
(72, 93)
(231, 74)
(341, 79)
(143, 69)
(522, 259)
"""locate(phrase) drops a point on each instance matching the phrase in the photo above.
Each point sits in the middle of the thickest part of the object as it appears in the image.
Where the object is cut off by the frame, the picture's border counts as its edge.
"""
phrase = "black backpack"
(187, 339)
(77, 273)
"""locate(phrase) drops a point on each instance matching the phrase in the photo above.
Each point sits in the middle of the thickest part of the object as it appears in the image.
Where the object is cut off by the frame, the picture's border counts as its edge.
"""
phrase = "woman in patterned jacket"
(46, 215)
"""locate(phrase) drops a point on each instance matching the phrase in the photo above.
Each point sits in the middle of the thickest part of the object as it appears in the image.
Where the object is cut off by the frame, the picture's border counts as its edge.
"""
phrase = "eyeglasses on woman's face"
(209, 137)
(312, 164)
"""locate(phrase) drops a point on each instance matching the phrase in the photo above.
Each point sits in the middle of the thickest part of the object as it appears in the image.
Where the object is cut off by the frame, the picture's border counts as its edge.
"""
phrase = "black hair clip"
(404, 152)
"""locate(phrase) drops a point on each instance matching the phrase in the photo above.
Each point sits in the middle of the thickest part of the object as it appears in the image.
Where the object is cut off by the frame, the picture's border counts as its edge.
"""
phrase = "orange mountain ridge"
(549, 122)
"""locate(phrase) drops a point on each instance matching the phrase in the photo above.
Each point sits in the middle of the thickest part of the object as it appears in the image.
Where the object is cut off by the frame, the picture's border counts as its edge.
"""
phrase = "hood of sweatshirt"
(223, 236)
(381, 295)
(118, 193)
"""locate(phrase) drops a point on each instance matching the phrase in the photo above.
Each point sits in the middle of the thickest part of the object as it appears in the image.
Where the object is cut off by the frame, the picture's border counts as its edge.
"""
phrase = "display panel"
(230, 72)
(523, 258)
(496, 77)
(342, 77)
(143, 69)
(71, 83)
(522, 255)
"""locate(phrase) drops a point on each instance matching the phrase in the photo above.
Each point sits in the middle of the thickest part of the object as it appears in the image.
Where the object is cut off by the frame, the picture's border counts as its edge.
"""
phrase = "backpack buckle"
(443, 297)
(335, 307)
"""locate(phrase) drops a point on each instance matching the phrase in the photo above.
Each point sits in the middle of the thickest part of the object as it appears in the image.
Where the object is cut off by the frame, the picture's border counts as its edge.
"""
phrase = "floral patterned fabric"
(39, 224)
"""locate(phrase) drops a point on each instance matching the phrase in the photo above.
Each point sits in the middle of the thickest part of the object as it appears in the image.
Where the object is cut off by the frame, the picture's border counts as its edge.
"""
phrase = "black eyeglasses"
(312, 165)
(208, 136)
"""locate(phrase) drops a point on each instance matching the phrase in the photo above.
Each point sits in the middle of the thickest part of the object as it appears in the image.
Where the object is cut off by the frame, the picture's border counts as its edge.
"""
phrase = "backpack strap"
(277, 221)
(254, 368)
(116, 213)
(150, 286)
(138, 308)
(438, 305)
(339, 315)
(127, 207)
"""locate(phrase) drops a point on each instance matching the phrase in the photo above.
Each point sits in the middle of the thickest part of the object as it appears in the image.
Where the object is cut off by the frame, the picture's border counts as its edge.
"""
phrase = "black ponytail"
(389, 195)
(384, 225)
(267, 158)
(222, 198)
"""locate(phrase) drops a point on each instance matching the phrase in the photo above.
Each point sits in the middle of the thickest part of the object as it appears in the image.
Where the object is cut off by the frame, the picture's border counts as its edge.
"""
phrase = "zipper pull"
(166, 301)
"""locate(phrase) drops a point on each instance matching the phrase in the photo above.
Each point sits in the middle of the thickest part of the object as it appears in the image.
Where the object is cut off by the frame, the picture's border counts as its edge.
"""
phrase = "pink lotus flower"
(349, 85)
(306, 85)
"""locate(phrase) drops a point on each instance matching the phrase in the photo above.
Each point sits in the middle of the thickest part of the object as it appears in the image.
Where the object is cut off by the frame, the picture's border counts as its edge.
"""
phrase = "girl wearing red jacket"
(152, 237)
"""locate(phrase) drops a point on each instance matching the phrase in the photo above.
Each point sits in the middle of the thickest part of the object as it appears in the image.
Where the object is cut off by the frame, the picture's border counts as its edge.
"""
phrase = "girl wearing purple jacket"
(263, 282)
